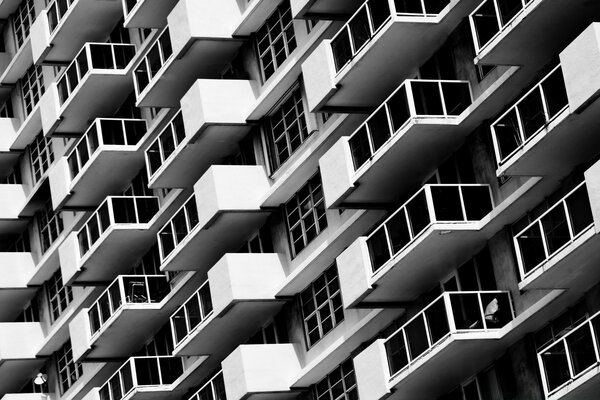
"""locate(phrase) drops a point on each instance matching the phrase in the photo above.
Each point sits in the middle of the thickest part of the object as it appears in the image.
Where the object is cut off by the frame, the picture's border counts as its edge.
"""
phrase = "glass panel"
(378, 248)
(486, 23)
(555, 228)
(359, 147)
(398, 230)
(359, 29)
(532, 114)
(396, 352)
(556, 366)
(147, 371)
(477, 201)
(532, 247)
(466, 311)
(578, 204)
(340, 46)
(427, 98)
(418, 214)
(507, 134)
(398, 107)
(581, 349)
(416, 335)
(379, 128)
(446, 203)
(457, 97)
(437, 320)
(555, 93)
(193, 313)
(171, 369)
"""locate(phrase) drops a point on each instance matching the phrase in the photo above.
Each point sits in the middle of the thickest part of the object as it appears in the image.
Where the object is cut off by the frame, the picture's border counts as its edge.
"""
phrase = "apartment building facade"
(299, 199)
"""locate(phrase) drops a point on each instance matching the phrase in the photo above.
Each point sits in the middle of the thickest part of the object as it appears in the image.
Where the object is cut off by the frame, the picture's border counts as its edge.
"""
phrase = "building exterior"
(299, 199)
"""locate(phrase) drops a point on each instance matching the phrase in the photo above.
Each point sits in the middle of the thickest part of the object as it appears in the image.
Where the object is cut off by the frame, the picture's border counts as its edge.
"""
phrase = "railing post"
(461, 197)
(449, 311)
(442, 99)
(410, 99)
(481, 310)
(430, 204)
(121, 283)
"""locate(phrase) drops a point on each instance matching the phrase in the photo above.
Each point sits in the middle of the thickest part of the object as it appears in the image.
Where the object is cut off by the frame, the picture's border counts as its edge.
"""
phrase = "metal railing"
(161, 150)
(129, 5)
(191, 314)
(93, 57)
(116, 210)
(437, 203)
(491, 17)
(177, 228)
(412, 99)
(364, 24)
(104, 131)
(155, 58)
(451, 312)
(570, 356)
(214, 389)
(138, 372)
(530, 115)
(56, 11)
(127, 289)
(555, 229)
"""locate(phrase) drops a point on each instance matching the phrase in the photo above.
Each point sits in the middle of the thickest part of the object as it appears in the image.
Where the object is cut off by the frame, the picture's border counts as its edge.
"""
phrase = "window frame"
(60, 296)
(328, 395)
(74, 370)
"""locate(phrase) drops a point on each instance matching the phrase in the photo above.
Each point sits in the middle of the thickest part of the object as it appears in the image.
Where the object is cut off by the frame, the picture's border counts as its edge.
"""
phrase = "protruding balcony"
(261, 371)
(436, 230)
(223, 211)
(399, 136)
(15, 271)
(207, 128)
(18, 362)
(423, 350)
(214, 389)
(149, 377)
(146, 13)
(101, 163)
(123, 317)
(59, 31)
(346, 71)
(322, 9)
(569, 367)
(500, 27)
(197, 43)
(558, 248)
(110, 240)
(236, 300)
(13, 200)
(95, 84)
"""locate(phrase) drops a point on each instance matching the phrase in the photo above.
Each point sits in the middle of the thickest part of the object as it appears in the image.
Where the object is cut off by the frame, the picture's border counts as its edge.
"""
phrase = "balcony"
(263, 371)
(499, 29)
(223, 211)
(101, 163)
(436, 230)
(94, 84)
(237, 299)
(404, 365)
(15, 271)
(345, 72)
(65, 25)
(110, 241)
(197, 43)
(20, 344)
(214, 389)
(208, 127)
(149, 377)
(569, 366)
(147, 13)
(398, 137)
(124, 316)
(321, 9)
(13, 200)
(558, 248)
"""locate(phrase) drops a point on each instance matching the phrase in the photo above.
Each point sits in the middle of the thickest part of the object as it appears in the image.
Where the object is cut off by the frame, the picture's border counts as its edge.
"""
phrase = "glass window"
(41, 156)
(68, 370)
(50, 226)
(23, 17)
(322, 308)
(340, 384)
(32, 87)
(59, 296)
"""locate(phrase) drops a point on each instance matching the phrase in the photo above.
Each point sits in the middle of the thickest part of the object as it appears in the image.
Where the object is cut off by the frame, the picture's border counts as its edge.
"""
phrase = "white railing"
(177, 228)
(214, 389)
(411, 100)
(552, 231)
(191, 314)
(156, 57)
(161, 150)
(437, 203)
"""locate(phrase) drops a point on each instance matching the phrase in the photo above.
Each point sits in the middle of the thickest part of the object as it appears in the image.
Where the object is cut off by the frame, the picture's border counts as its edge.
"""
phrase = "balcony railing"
(56, 11)
(553, 230)
(532, 113)
(153, 61)
(129, 5)
(163, 147)
(571, 356)
(214, 389)
(104, 131)
(191, 314)
(93, 56)
(452, 312)
(413, 99)
(116, 210)
(139, 372)
(178, 228)
(364, 24)
(439, 203)
(127, 289)
(491, 17)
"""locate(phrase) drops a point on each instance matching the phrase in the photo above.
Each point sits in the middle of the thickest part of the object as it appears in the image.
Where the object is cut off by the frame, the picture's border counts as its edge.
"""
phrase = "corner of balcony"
(102, 161)
(208, 127)
(224, 210)
(20, 344)
(146, 13)
(15, 271)
(318, 72)
(238, 298)
(112, 238)
(261, 372)
(61, 29)
(13, 199)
